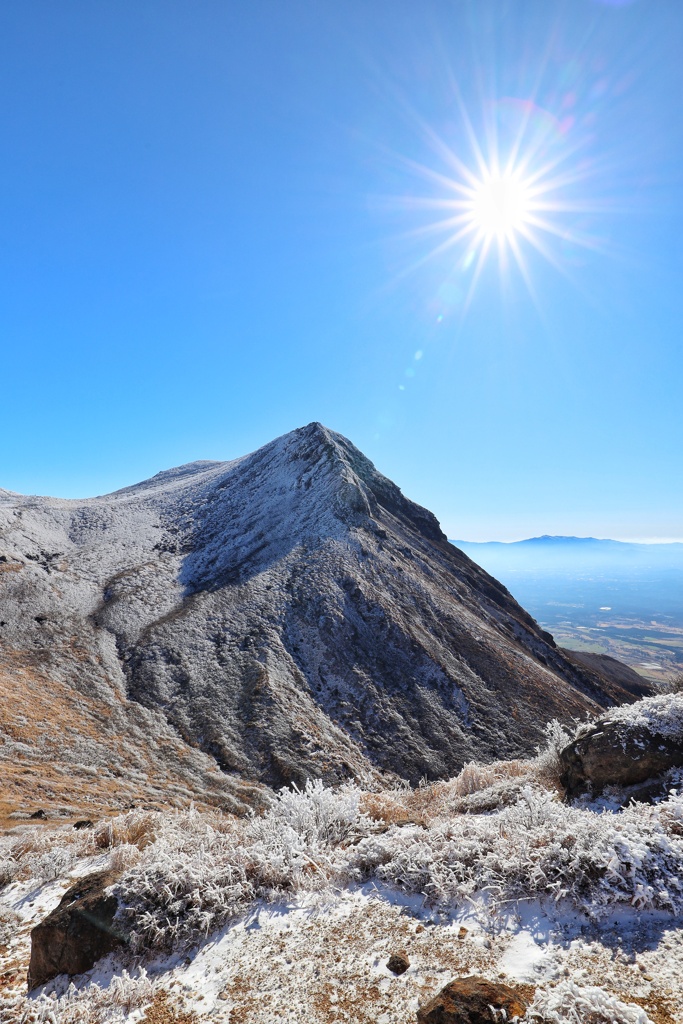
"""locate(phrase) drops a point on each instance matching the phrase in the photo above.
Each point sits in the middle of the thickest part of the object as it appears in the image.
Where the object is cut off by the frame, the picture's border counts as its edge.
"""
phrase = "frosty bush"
(9, 868)
(538, 847)
(320, 817)
(548, 767)
(188, 882)
(42, 855)
(674, 684)
(91, 1004)
(201, 870)
(9, 922)
(661, 715)
(569, 1003)
(124, 857)
(50, 864)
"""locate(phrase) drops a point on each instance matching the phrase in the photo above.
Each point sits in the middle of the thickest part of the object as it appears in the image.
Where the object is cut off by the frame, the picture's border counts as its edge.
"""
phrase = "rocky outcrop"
(471, 1001)
(78, 933)
(284, 616)
(632, 751)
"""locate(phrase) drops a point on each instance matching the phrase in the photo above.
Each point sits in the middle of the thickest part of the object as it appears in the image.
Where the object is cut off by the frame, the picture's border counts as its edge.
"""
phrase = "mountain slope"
(284, 615)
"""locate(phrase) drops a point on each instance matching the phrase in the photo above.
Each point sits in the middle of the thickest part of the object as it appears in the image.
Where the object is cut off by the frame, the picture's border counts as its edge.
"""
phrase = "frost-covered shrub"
(9, 868)
(661, 715)
(547, 766)
(189, 881)
(91, 1004)
(196, 876)
(540, 847)
(124, 857)
(40, 855)
(674, 684)
(569, 1003)
(9, 922)
(202, 871)
(320, 817)
(50, 864)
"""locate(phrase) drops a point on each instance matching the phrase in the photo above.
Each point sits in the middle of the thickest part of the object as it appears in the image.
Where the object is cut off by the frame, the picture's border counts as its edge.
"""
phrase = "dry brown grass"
(427, 804)
(658, 1009)
(76, 756)
(137, 828)
(164, 1010)
(327, 971)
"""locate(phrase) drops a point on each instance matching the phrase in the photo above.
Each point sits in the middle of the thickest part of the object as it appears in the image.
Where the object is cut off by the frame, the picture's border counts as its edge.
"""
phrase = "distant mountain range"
(286, 615)
(548, 551)
(598, 596)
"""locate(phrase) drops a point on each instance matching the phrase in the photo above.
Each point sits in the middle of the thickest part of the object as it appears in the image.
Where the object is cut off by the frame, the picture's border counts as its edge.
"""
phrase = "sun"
(501, 206)
(519, 195)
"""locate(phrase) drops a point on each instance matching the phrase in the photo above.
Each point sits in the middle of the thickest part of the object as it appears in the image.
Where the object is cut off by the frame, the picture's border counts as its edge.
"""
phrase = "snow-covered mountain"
(284, 615)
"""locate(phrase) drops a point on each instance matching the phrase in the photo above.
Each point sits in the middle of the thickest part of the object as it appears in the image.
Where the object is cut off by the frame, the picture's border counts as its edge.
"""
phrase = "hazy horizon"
(568, 536)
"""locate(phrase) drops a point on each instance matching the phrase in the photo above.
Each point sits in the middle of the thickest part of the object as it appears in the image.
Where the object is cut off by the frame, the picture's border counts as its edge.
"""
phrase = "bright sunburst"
(518, 197)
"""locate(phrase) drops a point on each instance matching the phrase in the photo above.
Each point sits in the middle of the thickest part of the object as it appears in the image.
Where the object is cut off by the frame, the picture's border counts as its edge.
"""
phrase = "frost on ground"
(291, 914)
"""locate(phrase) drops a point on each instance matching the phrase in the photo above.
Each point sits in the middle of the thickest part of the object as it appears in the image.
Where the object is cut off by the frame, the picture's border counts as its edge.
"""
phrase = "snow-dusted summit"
(284, 615)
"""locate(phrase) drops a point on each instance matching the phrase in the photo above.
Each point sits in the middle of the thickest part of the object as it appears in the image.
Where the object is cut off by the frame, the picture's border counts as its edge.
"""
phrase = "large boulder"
(470, 1001)
(77, 933)
(632, 747)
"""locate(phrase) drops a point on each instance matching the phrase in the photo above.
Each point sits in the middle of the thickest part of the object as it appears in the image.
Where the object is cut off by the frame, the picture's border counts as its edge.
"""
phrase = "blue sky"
(214, 227)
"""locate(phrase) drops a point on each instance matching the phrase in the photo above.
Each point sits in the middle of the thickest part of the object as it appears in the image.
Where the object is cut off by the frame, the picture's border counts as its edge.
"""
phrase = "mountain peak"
(288, 614)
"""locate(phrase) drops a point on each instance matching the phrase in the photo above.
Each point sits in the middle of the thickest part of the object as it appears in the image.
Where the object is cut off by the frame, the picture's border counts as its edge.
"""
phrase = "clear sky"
(220, 221)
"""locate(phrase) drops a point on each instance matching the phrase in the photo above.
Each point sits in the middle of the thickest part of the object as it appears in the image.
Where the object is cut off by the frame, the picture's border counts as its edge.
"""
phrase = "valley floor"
(654, 649)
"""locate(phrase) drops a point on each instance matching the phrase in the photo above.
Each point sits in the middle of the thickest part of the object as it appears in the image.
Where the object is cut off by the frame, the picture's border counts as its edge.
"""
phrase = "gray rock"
(77, 933)
(617, 754)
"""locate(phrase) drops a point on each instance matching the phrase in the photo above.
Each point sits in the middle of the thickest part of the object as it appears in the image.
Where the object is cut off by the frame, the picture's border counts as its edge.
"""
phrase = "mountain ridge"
(288, 614)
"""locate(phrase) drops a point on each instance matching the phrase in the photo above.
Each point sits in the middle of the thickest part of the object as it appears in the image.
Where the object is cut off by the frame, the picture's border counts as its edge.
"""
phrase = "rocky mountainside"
(284, 615)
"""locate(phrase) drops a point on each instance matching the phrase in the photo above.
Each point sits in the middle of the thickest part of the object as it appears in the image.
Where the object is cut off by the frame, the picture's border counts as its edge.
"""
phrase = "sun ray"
(479, 266)
(520, 194)
(526, 276)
